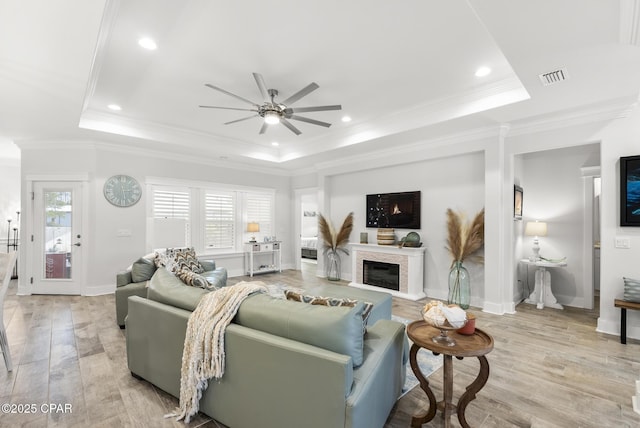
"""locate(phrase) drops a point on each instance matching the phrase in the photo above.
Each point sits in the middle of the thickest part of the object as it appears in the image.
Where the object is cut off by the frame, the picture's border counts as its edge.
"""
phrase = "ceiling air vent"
(555, 76)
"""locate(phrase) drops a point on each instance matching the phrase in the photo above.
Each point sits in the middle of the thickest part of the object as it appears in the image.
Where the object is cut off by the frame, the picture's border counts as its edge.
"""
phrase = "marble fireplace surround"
(410, 260)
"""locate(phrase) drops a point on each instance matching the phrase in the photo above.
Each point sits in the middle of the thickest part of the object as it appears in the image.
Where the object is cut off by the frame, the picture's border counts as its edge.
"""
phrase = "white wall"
(621, 138)
(455, 182)
(553, 193)
(107, 253)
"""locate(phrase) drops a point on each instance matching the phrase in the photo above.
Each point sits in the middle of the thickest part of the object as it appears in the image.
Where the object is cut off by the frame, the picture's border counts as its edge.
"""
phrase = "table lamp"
(536, 229)
(253, 228)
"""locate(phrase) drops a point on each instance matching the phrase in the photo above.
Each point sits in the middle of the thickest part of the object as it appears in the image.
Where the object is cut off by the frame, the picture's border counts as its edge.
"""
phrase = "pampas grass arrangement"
(465, 239)
(335, 240)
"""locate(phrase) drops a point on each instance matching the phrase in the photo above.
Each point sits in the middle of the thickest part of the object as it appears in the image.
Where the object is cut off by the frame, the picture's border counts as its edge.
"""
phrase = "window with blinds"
(169, 203)
(220, 218)
(171, 209)
(259, 209)
(213, 220)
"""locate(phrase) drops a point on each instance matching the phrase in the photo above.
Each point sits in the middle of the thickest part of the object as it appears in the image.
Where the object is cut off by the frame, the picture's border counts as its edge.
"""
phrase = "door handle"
(77, 244)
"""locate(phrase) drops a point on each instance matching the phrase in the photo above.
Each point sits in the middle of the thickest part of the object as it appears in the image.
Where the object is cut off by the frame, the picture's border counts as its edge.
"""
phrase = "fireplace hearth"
(399, 271)
(379, 274)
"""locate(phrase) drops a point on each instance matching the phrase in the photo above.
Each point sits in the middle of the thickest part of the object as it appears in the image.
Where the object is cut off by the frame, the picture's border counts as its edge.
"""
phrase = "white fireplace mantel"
(410, 260)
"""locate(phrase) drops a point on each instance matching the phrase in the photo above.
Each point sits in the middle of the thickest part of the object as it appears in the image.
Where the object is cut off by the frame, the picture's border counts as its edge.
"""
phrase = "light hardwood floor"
(549, 368)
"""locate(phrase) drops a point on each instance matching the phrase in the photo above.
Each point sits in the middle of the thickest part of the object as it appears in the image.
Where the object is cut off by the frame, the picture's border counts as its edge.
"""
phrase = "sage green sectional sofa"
(134, 282)
(288, 364)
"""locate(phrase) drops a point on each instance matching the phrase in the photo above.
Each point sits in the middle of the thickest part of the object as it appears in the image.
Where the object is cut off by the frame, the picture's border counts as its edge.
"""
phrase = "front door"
(57, 237)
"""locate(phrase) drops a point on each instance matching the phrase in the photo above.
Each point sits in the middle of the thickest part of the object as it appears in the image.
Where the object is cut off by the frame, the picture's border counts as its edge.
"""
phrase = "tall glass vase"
(332, 267)
(459, 286)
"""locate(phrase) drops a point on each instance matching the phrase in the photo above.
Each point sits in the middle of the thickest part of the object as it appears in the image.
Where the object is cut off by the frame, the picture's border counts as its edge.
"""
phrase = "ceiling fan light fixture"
(271, 118)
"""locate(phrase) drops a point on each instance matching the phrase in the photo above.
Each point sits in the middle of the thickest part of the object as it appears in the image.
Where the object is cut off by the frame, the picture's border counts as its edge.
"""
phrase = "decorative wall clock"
(122, 190)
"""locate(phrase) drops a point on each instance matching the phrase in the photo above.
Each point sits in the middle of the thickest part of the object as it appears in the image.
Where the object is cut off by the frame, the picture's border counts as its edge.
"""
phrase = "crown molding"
(451, 107)
(152, 131)
(617, 109)
(424, 149)
(104, 36)
(191, 158)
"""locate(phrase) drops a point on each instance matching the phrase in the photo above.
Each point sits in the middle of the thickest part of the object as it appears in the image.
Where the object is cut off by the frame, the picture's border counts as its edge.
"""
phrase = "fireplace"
(399, 271)
(380, 274)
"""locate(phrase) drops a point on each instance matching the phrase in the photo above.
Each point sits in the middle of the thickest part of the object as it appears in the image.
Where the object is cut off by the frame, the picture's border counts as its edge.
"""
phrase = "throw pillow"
(331, 301)
(187, 260)
(194, 279)
(175, 259)
(142, 270)
(631, 289)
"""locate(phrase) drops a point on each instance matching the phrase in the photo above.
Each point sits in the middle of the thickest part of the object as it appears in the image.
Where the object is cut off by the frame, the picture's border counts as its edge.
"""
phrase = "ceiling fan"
(274, 112)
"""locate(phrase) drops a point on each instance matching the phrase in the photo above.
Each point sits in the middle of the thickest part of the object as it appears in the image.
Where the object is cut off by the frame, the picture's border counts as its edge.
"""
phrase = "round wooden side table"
(476, 345)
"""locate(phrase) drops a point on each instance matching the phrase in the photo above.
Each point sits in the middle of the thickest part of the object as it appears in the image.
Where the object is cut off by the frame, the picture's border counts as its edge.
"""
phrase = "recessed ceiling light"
(346, 119)
(275, 144)
(114, 107)
(148, 43)
(483, 71)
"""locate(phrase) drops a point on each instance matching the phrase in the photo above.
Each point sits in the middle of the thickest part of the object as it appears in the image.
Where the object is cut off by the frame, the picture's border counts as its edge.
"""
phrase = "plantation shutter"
(220, 213)
(260, 210)
(169, 203)
(171, 212)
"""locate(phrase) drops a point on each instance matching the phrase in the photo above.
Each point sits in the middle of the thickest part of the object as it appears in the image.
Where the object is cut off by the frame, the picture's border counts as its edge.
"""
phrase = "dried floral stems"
(334, 241)
(464, 239)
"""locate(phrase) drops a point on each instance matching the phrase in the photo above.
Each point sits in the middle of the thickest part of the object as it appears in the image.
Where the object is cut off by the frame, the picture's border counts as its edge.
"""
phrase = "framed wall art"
(517, 202)
(630, 191)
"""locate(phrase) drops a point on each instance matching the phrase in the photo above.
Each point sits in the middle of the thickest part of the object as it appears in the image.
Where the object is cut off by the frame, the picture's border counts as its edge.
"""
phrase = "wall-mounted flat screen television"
(394, 210)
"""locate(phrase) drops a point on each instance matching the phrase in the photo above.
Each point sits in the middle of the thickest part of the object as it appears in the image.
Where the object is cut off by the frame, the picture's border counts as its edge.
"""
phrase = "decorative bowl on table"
(438, 315)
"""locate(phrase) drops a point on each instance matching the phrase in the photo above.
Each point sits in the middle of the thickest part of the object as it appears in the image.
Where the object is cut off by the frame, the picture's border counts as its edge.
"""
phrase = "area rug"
(428, 363)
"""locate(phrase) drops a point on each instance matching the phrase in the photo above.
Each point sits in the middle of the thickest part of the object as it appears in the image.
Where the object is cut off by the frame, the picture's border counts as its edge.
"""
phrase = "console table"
(542, 294)
(253, 249)
(476, 345)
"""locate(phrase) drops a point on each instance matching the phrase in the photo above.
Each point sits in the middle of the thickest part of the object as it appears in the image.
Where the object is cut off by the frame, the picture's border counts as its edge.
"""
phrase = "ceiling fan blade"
(231, 108)
(240, 120)
(301, 93)
(230, 94)
(261, 86)
(308, 109)
(312, 121)
(263, 128)
(288, 124)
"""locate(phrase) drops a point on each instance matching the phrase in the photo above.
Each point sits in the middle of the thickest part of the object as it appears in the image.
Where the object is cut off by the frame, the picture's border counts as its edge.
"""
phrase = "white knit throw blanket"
(203, 355)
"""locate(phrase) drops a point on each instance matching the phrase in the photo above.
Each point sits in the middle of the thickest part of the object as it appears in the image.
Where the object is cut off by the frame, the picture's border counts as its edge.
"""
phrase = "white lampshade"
(253, 227)
(536, 228)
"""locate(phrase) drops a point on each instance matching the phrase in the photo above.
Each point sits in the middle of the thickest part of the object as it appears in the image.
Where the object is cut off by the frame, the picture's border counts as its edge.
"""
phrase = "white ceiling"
(393, 66)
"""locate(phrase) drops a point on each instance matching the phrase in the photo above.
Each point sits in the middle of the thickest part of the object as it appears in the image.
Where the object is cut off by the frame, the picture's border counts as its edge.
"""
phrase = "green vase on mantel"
(459, 286)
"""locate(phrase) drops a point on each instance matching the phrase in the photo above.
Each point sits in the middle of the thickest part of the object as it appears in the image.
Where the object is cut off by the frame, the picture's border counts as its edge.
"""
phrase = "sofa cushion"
(164, 287)
(216, 277)
(142, 270)
(208, 265)
(195, 279)
(335, 328)
(331, 301)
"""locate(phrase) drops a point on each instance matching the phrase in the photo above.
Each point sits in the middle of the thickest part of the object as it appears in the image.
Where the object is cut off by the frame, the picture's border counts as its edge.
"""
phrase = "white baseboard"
(99, 290)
